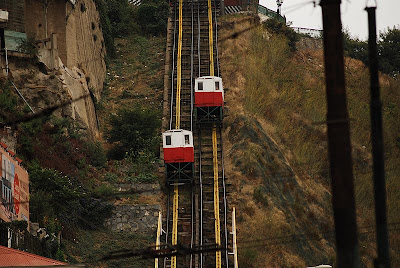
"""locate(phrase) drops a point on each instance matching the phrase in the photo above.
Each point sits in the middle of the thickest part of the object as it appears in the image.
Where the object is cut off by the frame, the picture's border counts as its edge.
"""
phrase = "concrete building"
(67, 29)
(14, 194)
(70, 42)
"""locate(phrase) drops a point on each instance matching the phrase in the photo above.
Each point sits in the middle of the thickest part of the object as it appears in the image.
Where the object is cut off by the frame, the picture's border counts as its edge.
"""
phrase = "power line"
(42, 113)
(182, 250)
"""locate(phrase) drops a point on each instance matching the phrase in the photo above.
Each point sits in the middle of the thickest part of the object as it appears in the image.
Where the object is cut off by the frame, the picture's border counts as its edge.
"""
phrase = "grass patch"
(287, 90)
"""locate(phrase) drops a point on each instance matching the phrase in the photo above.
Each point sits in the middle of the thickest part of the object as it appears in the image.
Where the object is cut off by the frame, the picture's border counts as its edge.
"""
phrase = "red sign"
(16, 194)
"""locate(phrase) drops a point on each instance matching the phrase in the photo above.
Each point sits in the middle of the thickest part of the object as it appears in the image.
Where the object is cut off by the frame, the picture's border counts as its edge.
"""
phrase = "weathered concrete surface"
(80, 39)
(74, 82)
(142, 188)
(140, 218)
(85, 46)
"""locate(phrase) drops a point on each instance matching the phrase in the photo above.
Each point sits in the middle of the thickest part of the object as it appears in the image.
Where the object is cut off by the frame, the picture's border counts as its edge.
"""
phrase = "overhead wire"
(181, 250)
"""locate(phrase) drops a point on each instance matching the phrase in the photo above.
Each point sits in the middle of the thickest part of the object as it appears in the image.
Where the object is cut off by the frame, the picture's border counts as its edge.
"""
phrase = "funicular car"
(209, 99)
(178, 155)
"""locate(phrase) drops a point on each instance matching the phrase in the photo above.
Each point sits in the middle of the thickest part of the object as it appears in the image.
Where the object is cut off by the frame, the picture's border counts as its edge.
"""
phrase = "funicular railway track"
(196, 213)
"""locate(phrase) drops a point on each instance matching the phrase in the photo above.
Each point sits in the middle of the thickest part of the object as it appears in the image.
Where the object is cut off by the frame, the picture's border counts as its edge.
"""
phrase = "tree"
(389, 51)
(276, 27)
(132, 131)
(355, 48)
(152, 17)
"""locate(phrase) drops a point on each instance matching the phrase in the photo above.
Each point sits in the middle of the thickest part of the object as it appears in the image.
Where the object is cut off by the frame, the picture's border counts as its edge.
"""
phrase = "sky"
(303, 14)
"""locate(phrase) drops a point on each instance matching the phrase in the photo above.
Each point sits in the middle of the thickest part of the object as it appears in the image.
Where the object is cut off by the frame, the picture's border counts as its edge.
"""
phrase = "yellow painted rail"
(216, 198)
(210, 38)
(179, 70)
(175, 223)
(177, 126)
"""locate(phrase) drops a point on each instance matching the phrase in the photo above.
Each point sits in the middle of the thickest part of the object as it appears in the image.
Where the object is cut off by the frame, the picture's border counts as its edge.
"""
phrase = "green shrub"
(96, 154)
(142, 178)
(106, 27)
(28, 46)
(354, 47)
(59, 202)
(121, 16)
(132, 131)
(111, 177)
(389, 51)
(143, 162)
(152, 17)
(103, 191)
(8, 101)
(276, 27)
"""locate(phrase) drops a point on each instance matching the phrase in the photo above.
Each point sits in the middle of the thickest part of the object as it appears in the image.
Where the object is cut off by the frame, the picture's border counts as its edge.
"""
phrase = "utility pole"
(339, 145)
(279, 4)
(383, 260)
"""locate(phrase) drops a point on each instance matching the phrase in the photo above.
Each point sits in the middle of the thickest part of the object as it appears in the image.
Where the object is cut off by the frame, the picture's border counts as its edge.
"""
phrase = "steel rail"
(216, 37)
(198, 40)
(173, 73)
(167, 223)
(179, 70)
(210, 38)
(216, 197)
(191, 128)
(225, 201)
(177, 126)
(201, 200)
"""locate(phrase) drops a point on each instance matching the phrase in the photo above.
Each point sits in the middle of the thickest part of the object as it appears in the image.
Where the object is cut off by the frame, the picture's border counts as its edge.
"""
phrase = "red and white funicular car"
(178, 155)
(209, 98)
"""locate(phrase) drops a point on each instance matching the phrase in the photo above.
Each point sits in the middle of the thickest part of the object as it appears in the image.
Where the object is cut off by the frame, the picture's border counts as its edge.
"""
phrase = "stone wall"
(141, 218)
(85, 44)
(145, 188)
(80, 41)
(309, 43)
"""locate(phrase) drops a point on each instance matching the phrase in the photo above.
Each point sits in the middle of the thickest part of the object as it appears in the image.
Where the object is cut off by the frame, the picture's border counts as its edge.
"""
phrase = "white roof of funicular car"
(208, 83)
(209, 77)
(177, 138)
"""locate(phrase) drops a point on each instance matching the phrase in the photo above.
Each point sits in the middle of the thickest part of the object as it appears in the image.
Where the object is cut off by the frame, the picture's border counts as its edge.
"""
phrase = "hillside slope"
(276, 149)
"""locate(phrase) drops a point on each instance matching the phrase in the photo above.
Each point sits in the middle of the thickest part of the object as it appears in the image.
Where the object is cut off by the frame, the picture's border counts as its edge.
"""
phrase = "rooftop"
(15, 258)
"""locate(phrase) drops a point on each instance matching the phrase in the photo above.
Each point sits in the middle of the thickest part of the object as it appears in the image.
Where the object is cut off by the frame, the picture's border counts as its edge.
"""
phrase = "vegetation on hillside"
(277, 27)
(388, 50)
(73, 178)
(285, 92)
(118, 18)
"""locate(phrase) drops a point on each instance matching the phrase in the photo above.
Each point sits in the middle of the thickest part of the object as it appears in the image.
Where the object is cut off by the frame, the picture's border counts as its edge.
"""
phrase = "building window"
(187, 139)
(200, 86)
(168, 140)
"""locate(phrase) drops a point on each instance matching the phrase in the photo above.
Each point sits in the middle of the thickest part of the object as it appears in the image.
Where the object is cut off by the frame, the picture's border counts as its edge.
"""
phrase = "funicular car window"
(187, 139)
(200, 86)
(216, 85)
(168, 140)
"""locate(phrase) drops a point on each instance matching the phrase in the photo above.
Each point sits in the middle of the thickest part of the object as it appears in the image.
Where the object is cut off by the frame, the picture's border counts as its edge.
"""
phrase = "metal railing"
(314, 33)
(270, 13)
